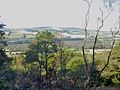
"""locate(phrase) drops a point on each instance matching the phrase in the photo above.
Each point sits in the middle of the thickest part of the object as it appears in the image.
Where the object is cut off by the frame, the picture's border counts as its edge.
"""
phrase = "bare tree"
(114, 33)
(85, 42)
(89, 68)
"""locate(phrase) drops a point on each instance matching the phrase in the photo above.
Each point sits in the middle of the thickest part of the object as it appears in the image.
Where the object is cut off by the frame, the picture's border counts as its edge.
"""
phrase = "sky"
(56, 13)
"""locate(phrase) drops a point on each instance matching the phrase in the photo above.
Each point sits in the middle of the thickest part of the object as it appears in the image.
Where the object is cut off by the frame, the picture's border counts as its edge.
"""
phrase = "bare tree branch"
(96, 81)
(85, 41)
(109, 55)
(96, 37)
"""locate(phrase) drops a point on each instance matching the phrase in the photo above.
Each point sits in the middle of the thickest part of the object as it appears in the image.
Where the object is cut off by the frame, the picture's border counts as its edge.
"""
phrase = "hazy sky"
(67, 13)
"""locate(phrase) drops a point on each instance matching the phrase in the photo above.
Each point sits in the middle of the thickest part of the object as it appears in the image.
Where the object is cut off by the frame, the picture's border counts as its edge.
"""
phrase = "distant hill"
(73, 36)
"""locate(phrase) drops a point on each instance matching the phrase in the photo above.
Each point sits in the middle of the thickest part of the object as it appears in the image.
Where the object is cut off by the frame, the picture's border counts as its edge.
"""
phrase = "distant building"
(13, 53)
